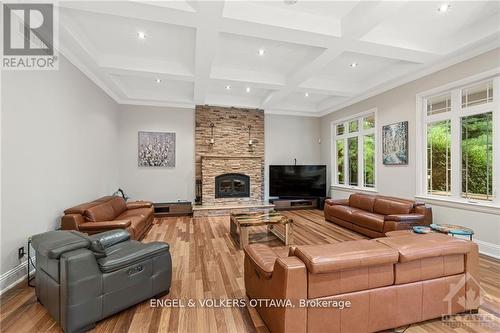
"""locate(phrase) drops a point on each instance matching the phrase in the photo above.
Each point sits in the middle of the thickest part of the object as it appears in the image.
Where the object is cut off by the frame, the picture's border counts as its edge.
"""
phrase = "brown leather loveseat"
(108, 213)
(389, 282)
(374, 215)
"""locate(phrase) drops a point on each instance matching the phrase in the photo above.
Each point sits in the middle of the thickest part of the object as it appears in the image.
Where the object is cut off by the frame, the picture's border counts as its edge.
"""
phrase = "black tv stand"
(294, 203)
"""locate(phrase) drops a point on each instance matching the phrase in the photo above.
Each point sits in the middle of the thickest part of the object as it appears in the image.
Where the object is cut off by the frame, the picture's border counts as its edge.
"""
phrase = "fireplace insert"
(232, 185)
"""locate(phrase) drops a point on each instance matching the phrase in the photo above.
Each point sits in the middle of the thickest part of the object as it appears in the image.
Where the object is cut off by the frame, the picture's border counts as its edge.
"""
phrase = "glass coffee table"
(241, 223)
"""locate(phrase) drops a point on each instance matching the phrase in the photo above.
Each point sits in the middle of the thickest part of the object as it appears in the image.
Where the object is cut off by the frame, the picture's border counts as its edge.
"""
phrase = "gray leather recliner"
(82, 279)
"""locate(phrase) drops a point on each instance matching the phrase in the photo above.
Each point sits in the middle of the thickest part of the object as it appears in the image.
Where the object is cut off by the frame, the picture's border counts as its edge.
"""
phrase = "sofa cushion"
(362, 201)
(99, 213)
(142, 212)
(416, 246)
(388, 206)
(342, 212)
(80, 209)
(368, 220)
(134, 252)
(345, 255)
(119, 205)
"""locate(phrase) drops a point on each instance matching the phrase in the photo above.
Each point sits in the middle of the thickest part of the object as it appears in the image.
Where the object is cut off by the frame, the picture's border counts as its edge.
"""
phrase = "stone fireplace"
(228, 168)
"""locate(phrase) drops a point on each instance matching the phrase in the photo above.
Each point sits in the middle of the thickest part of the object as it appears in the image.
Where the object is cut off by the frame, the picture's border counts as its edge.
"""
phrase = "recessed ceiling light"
(158, 80)
(444, 8)
(141, 35)
(228, 87)
(354, 64)
(261, 52)
(247, 89)
(306, 94)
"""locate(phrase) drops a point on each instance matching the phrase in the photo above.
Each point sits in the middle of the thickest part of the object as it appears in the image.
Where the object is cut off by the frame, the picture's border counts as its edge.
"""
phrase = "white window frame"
(360, 134)
(455, 115)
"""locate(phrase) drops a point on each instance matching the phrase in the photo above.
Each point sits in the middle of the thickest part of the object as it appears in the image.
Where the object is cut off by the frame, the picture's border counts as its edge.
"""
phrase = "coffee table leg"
(243, 237)
(233, 228)
(288, 234)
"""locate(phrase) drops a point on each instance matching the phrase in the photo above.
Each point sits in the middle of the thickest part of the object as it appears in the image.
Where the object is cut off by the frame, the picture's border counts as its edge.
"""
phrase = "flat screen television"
(297, 181)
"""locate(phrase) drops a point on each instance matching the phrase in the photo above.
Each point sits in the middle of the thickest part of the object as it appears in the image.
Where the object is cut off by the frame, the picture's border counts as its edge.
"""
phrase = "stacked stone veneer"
(230, 152)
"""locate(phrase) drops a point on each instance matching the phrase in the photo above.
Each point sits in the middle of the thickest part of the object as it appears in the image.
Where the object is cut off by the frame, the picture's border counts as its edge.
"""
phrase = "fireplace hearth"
(232, 185)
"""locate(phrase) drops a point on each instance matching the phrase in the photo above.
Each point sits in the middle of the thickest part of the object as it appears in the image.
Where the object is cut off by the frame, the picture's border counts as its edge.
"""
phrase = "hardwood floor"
(206, 264)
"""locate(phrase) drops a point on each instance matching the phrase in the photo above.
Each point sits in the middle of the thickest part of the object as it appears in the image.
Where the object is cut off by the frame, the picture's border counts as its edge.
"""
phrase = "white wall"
(157, 184)
(58, 137)
(399, 104)
(289, 137)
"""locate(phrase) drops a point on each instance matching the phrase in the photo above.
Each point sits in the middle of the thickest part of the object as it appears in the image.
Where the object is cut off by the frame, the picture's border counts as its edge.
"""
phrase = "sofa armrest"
(404, 217)
(139, 204)
(263, 259)
(105, 225)
(342, 202)
(426, 211)
(71, 221)
(288, 282)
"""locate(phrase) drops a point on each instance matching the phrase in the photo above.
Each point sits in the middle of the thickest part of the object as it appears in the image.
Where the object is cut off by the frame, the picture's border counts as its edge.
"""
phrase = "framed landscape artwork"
(156, 149)
(395, 143)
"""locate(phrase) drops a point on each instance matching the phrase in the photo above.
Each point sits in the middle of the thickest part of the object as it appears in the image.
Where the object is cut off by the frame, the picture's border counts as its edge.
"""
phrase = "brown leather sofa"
(108, 213)
(390, 282)
(374, 215)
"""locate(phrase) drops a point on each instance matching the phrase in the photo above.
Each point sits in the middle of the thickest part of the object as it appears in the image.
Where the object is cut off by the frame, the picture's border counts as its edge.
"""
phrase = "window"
(477, 156)
(461, 143)
(352, 144)
(355, 151)
(369, 160)
(340, 160)
(353, 126)
(438, 157)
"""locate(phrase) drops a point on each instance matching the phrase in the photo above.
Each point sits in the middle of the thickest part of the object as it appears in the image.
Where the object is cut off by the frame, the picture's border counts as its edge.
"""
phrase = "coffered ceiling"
(303, 58)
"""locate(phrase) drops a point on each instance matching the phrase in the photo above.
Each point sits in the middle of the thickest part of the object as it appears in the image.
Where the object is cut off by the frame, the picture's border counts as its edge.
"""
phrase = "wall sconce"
(212, 140)
(250, 141)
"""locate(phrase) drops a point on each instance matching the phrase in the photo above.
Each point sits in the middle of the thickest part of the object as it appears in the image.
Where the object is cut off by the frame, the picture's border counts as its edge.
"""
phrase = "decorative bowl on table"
(419, 229)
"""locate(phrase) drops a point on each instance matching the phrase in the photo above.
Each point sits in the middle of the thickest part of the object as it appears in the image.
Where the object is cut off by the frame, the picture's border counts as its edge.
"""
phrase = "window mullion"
(346, 163)
(456, 139)
(496, 140)
(361, 166)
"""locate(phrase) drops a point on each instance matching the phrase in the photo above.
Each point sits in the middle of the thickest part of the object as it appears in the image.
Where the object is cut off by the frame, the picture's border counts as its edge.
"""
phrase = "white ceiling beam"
(247, 11)
(326, 86)
(207, 37)
(149, 73)
(366, 15)
(145, 67)
(246, 77)
(135, 10)
(390, 52)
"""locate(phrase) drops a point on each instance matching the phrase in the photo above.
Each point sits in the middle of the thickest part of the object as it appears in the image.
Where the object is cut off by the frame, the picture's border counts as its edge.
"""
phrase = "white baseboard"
(14, 276)
(489, 249)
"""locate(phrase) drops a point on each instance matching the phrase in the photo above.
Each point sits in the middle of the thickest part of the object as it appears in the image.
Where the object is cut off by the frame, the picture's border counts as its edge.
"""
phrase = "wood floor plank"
(206, 264)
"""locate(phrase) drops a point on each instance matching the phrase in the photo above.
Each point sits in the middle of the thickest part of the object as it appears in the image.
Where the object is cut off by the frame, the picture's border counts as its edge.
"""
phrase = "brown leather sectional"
(108, 213)
(374, 215)
(390, 282)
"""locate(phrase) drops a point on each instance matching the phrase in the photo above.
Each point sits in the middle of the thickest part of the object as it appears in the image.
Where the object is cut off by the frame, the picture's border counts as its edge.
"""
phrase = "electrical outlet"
(20, 252)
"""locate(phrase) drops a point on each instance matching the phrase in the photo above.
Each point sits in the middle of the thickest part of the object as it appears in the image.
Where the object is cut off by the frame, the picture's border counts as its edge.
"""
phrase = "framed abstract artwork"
(156, 149)
(395, 144)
